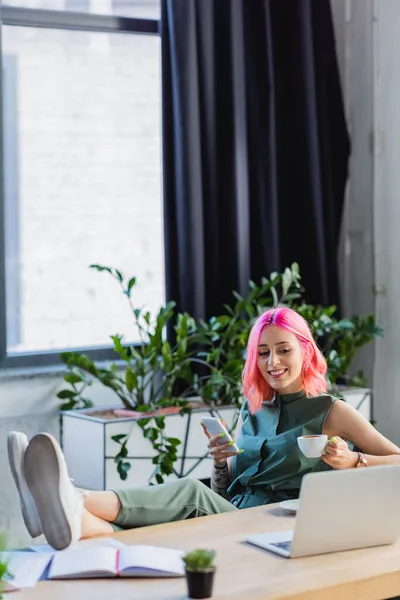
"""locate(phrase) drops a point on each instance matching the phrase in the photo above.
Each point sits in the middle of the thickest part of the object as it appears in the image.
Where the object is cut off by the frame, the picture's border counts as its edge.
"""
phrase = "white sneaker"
(17, 444)
(58, 502)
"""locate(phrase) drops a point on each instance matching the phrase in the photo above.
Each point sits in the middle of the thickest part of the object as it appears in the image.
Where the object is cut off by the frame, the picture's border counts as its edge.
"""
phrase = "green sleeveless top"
(271, 466)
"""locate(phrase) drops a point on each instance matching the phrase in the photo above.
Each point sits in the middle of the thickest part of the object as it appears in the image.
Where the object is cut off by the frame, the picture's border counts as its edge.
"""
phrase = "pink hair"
(255, 388)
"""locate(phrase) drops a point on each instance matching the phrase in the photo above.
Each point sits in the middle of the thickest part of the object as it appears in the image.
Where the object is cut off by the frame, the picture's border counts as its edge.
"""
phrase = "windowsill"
(31, 372)
(45, 371)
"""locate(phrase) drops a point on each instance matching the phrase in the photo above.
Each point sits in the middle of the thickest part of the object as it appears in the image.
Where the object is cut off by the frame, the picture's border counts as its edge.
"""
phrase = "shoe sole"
(42, 475)
(32, 524)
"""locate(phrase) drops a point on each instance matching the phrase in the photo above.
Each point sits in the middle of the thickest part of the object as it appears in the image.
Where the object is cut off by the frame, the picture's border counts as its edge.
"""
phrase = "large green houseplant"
(152, 377)
(206, 358)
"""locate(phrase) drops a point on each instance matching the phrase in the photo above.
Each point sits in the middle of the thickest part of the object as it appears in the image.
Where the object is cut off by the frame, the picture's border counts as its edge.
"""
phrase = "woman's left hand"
(338, 455)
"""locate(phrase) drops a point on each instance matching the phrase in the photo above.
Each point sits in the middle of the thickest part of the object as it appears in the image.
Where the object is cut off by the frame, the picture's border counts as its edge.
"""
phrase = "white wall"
(353, 21)
(367, 33)
(387, 212)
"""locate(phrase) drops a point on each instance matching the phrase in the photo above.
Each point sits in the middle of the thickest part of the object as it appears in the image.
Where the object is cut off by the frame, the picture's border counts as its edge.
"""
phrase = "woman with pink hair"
(285, 386)
(286, 397)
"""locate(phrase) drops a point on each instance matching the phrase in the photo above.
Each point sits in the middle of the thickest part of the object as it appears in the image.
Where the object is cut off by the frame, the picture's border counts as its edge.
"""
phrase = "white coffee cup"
(312, 446)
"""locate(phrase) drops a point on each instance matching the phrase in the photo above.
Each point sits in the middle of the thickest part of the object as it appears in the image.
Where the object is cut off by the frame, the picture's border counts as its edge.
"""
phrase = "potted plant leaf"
(3, 564)
(200, 569)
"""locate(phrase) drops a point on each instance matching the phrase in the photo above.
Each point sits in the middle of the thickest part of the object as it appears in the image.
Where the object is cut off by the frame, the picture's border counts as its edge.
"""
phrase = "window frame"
(66, 20)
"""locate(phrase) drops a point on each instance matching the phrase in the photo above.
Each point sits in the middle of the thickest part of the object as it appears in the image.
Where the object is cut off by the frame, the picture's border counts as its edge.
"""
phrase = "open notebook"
(130, 561)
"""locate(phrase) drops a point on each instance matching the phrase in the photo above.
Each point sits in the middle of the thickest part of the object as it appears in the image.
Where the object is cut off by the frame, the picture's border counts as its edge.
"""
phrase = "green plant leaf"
(150, 433)
(119, 347)
(123, 453)
(63, 394)
(275, 300)
(130, 380)
(123, 468)
(68, 405)
(119, 437)
(160, 422)
(4, 571)
(131, 283)
(73, 378)
(199, 560)
(174, 441)
(144, 408)
(100, 268)
(287, 280)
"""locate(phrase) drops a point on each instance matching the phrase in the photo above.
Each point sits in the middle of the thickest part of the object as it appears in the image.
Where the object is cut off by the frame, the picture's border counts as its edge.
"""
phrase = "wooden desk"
(244, 572)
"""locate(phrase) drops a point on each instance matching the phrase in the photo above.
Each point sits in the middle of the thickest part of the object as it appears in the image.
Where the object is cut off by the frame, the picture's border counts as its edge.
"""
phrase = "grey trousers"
(167, 502)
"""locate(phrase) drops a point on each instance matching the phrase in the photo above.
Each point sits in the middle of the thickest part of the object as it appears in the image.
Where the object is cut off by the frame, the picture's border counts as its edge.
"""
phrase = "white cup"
(312, 446)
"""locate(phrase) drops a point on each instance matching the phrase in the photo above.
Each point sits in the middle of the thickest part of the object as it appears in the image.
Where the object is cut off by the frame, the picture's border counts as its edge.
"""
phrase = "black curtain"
(255, 147)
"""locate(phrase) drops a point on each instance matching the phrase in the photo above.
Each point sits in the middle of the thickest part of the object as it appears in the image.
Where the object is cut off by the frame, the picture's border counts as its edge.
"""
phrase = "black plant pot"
(200, 583)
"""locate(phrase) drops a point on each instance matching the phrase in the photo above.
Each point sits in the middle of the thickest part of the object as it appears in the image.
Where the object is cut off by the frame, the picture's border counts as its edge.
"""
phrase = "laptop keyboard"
(283, 545)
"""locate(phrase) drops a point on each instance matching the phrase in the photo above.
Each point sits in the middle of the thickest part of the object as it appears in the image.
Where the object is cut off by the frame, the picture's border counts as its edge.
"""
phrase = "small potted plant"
(200, 571)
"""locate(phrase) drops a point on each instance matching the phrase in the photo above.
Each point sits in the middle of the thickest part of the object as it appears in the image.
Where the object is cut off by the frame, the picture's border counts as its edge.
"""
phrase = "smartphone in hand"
(215, 427)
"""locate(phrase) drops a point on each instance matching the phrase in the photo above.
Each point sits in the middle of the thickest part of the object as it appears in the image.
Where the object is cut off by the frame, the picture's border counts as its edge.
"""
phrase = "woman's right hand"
(217, 449)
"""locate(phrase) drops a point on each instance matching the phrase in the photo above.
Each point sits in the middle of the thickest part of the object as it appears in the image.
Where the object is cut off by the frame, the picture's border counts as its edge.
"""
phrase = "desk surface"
(244, 572)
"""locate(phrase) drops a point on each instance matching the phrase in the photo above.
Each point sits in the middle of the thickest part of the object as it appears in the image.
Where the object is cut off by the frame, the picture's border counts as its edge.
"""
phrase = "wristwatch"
(362, 462)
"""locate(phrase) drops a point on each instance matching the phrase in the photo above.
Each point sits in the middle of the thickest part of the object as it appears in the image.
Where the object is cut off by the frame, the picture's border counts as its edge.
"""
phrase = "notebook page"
(85, 562)
(26, 568)
(112, 542)
(151, 558)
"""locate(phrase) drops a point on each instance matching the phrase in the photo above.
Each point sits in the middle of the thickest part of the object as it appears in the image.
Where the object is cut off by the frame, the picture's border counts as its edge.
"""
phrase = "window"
(82, 184)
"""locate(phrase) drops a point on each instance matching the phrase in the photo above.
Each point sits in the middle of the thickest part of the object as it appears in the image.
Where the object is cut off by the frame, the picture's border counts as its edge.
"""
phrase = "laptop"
(341, 510)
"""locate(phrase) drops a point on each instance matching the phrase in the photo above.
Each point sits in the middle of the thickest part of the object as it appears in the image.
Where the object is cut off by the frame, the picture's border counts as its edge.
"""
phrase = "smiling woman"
(285, 387)
(282, 357)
